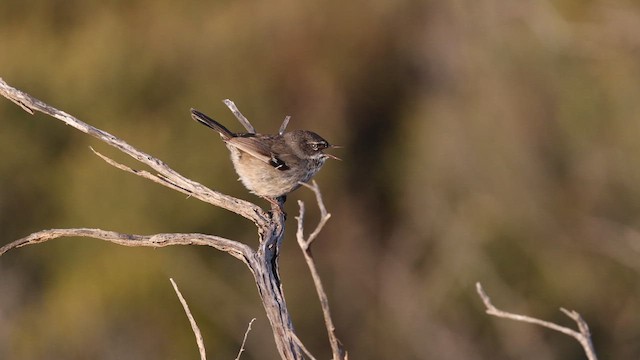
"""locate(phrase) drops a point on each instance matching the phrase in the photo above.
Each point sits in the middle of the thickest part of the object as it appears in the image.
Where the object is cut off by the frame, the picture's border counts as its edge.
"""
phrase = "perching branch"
(583, 336)
(337, 349)
(172, 178)
(262, 261)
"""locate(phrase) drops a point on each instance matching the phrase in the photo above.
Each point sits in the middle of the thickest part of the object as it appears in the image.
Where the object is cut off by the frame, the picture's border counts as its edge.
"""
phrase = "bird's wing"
(259, 149)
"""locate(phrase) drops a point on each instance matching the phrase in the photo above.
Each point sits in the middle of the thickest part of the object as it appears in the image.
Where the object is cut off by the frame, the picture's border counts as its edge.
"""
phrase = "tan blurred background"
(489, 141)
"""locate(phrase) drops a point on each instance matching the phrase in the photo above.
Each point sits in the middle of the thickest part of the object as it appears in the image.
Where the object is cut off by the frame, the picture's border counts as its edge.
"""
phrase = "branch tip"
(241, 118)
(285, 122)
(305, 244)
(244, 340)
(192, 321)
(583, 336)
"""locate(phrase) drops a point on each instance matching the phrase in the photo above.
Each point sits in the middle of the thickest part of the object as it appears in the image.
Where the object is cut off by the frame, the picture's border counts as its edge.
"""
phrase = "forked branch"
(171, 178)
(583, 336)
(262, 261)
(337, 349)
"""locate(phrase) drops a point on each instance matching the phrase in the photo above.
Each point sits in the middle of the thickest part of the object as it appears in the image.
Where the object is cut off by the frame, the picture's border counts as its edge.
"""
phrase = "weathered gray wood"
(263, 261)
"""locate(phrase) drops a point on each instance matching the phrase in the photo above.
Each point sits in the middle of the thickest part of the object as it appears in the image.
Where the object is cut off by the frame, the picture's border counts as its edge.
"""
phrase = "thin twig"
(24, 106)
(244, 340)
(285, 122)
(243, 120)
(305, 244)
(324, 215)
(304, 348)
(583, 337)
(192, 321)
(157, 178)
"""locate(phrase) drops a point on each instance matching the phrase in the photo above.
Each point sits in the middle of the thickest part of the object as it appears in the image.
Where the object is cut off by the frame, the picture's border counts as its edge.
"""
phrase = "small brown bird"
(271, 166)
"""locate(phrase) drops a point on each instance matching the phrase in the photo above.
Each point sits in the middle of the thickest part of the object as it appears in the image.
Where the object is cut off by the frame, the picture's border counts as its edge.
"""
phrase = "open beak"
(333, 156)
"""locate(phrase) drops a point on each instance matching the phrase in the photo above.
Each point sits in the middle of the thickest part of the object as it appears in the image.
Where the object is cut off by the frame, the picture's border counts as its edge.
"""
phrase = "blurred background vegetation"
(487, 141)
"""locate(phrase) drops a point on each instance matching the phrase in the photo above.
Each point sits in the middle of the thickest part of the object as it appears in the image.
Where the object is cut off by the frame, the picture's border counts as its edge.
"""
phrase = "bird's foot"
(277, 204)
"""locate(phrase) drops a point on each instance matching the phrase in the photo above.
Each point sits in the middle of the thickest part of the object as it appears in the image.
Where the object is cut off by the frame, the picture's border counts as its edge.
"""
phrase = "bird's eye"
(319, 145)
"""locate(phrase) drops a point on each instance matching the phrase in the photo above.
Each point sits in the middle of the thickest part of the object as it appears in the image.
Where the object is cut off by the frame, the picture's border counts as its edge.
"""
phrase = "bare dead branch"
(192, 321)
(142, 173)
(262, 262)
(243, 120)
(304, 348)
(324, 215)
(195, 189)
(244, 340)
(21, 104)
(305, 244)
(583, 337)
(285, 122)
(234, 248)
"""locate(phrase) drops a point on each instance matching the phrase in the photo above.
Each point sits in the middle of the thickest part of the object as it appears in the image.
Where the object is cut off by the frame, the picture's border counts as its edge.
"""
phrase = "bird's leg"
(277, 204)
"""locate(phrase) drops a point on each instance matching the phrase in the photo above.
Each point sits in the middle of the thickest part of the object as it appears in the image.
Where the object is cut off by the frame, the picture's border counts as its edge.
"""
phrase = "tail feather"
(209, 122)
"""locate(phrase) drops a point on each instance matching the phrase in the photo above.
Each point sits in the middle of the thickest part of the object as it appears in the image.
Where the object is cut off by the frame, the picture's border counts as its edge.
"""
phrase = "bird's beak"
(333, 156)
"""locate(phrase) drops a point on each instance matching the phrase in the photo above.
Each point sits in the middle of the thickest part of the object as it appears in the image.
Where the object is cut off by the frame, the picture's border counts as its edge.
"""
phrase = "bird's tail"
(209, 122)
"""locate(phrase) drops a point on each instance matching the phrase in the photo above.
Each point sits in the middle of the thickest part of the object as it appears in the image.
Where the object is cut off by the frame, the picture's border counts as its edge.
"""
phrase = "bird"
(272, 166)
